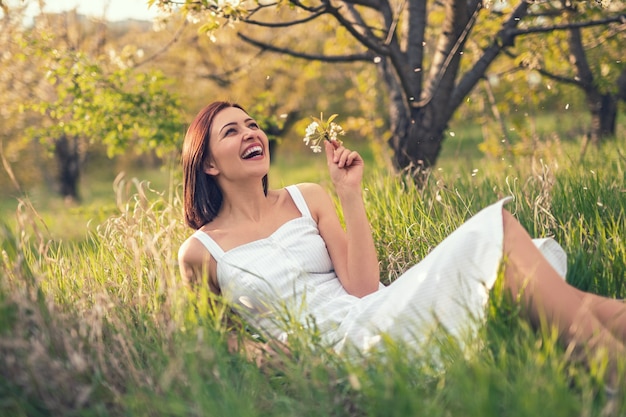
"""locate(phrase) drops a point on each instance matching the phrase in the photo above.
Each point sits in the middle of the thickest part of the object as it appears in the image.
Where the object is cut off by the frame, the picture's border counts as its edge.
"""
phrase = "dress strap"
(298, 199)
(211, 245)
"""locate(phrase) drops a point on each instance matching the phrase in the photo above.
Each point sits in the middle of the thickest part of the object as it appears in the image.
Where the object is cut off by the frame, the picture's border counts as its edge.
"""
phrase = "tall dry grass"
(105, 327)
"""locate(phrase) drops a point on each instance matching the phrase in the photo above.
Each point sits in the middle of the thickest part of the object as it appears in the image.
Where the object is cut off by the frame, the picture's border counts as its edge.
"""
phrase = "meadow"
(95, 321)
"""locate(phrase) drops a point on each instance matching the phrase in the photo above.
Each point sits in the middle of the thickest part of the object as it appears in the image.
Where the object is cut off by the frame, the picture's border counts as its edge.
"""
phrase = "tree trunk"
(603, 109)
(608, 116)
(621, 86)
(416, 134)
(419, 120)
(602, 106)
(417, 142)
(67, 154)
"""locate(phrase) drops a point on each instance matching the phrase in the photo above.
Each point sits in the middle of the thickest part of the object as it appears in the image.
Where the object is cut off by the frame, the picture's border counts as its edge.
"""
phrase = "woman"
(269, 252)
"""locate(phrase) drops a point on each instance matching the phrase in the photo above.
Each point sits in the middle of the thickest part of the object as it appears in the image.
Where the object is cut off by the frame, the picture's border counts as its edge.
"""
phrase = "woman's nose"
(248, 134)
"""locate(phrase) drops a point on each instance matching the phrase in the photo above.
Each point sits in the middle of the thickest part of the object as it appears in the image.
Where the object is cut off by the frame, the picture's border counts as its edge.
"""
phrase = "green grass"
(99, 324)
(99, 198)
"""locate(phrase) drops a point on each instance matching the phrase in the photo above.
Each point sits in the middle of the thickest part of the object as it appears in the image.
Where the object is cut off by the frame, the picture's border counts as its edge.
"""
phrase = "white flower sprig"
(320, 130)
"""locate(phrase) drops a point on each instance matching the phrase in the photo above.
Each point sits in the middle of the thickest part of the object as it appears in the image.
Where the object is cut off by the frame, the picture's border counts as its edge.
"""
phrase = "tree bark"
(418, 124)
(417, 141)
(602, 106)
(607, 116)
(67, 154)
(621, 86)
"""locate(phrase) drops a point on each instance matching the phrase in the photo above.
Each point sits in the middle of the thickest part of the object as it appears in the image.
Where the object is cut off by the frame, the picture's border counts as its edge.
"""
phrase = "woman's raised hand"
(345, 166)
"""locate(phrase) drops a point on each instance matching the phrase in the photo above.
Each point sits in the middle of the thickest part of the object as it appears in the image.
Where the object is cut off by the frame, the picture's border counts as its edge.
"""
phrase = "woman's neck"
(244, 202)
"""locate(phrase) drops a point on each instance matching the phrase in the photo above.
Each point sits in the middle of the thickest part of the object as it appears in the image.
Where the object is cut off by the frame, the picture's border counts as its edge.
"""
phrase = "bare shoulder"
(313, 192)
(194, 260)
(192, 252)
(317, 198)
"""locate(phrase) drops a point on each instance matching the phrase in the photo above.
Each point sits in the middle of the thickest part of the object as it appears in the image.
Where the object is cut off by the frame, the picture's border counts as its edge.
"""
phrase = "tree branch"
(417, 23)
(167, 46)
(579, 59)
(391, 31)
(574, 25)
(610, 33)
(556, 77)
(440, 73)
(469, 80)
(224, 79)
(367, 56)
(365, 38)
(544, 72)
(373, 4)
(317, 12)
(299, 4)
(360, 23)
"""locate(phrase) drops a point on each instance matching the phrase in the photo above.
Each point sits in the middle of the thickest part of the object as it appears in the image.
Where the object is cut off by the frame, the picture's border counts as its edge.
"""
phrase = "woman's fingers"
(334, 151)
(341, 155)
(345, 166)
(352, 157)
(329, 147)
(347, 158)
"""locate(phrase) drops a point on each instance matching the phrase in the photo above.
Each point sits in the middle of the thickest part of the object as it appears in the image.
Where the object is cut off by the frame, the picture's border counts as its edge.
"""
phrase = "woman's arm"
(195, 262)
(352, 251)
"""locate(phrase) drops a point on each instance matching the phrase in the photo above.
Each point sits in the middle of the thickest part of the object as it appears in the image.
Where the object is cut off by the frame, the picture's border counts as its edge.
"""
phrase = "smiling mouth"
(252, 151)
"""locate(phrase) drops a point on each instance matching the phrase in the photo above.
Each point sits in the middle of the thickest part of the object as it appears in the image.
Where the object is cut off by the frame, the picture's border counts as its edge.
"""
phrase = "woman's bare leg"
(578, 316)
(609, 311)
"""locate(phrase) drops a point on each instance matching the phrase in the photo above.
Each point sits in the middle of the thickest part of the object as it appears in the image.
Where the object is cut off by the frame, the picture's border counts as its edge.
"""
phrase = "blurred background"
(95, 89)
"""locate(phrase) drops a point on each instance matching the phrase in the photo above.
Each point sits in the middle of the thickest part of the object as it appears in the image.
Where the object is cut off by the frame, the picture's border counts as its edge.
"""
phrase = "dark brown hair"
(202, 197)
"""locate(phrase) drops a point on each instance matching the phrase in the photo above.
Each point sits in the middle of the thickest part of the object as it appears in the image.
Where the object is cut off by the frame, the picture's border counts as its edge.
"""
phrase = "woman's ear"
(210, 168)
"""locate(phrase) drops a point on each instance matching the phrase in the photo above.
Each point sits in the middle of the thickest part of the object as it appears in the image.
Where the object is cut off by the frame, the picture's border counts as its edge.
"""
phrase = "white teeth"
(251, 150)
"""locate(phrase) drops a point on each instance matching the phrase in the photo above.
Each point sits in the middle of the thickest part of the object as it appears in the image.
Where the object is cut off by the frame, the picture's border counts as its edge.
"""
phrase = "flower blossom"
(320, 130)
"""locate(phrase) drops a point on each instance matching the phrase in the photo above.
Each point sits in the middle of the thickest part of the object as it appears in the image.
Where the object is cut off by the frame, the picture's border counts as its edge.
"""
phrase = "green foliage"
(264, 110)
(74, 80)
(539, 71)
(122, 109)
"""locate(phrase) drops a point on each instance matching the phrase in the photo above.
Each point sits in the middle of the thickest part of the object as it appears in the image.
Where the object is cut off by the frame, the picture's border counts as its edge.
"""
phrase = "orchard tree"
(587, 57)
(417, 46)
(84, 96)
(122, 110)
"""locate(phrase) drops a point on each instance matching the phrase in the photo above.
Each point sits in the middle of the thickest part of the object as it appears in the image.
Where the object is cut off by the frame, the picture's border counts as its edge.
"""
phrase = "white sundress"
(289, 276)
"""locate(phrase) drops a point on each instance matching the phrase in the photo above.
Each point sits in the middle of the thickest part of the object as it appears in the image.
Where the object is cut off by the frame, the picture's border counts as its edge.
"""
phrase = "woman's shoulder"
(192, 252)
(313, 193)
(316, 197)
(310, 189)
(193, 259)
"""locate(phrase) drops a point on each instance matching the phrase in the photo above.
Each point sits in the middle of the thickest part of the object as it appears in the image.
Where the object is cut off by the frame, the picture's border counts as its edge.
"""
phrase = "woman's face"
(238, 147)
